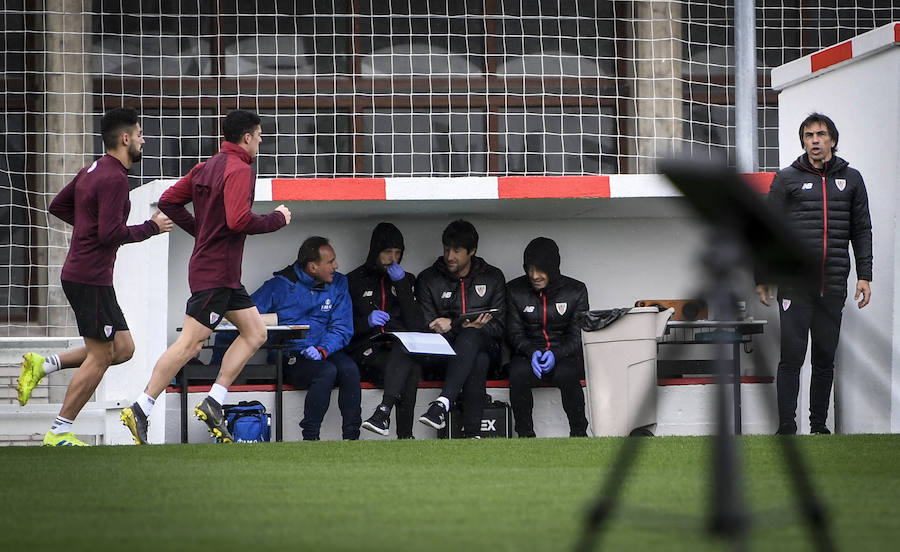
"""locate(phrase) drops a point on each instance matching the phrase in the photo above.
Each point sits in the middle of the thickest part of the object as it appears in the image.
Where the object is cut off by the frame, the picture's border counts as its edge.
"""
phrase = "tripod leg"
(608, 497)
(807, 501)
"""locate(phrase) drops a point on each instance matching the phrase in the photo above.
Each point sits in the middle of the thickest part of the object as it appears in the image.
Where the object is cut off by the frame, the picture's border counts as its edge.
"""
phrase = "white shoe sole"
(429, 423)
(373, 429)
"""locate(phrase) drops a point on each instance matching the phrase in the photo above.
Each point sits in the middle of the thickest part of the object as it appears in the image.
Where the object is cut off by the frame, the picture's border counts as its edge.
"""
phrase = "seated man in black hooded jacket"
(544, 340)
(384, 301)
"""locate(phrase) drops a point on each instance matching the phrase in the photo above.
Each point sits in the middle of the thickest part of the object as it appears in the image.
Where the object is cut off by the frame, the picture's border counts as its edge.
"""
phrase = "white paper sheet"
(424, 343)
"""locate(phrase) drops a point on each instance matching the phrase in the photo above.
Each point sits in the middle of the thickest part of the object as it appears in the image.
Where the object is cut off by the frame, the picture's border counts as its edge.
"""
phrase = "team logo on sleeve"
(368, 293)
(214, 317)
(107, 330)
(785, 304)
(840, 183)
(528, 308)
(561, 308)
(481, 289)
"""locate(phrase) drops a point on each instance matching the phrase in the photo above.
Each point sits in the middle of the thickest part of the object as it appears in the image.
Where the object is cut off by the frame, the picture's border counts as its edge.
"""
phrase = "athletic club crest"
(561, 308)
(107, 330)
(214, 317)
(840, 183)
(785, 304)
(481, 289)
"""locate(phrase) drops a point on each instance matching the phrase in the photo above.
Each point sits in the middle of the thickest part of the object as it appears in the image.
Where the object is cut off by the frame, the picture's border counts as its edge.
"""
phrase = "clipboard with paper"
(424, 343)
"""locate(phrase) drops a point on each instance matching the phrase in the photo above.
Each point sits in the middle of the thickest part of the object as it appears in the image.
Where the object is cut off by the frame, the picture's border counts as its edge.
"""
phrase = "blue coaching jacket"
(296, 298)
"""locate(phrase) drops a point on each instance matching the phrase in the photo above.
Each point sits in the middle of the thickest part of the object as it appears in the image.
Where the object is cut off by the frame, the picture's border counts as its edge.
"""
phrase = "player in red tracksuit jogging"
(221, 190)
(96, 204)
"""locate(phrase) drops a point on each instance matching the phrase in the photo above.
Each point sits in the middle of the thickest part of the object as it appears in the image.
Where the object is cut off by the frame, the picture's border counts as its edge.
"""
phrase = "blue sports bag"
(248, 422)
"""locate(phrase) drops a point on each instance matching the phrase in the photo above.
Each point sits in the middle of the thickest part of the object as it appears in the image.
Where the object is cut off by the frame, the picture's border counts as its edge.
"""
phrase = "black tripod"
(743, 227)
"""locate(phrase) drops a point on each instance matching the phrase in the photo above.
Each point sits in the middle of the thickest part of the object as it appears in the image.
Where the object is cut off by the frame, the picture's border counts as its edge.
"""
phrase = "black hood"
(543, 254)
(384, 236)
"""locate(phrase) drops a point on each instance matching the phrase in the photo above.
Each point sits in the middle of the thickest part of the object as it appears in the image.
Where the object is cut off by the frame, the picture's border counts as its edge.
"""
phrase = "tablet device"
(472, 315)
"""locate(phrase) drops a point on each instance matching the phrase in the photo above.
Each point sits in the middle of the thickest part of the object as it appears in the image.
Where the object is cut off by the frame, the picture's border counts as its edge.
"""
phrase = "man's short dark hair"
(114, 123)
(309, 250)
(238, 123)
(460, 233)
(823, 119)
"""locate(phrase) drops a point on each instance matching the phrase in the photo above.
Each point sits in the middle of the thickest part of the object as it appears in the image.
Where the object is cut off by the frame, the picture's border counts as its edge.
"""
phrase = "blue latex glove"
(378, 318)
(535, 364)
(311, 353)
(548, 361)
(395, 272)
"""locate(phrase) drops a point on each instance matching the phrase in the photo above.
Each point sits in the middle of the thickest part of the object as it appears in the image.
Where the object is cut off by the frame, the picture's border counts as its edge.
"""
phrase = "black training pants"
(803, 315)
(566, 375)
(467, 375)
(401, 374)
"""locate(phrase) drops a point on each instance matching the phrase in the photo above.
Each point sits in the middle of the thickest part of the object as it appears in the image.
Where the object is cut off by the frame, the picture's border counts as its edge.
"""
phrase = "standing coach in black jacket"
(460, 282)
(826, 201)
(384, 301)
(544, 339)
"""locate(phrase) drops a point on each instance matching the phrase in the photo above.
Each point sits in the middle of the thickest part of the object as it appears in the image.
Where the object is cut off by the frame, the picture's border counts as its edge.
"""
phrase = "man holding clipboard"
(463, 297)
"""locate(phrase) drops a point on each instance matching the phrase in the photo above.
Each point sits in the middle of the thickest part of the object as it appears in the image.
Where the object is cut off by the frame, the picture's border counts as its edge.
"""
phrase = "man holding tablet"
(463, 297)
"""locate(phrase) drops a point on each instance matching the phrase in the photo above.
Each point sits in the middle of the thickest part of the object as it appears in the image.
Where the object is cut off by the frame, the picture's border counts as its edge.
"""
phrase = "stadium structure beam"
(745, 86)
(67, 141)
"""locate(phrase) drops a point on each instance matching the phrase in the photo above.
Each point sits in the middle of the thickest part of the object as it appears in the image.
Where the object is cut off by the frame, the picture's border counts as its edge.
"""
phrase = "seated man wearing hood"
(384, 301)
(312, 291)
(543, 337)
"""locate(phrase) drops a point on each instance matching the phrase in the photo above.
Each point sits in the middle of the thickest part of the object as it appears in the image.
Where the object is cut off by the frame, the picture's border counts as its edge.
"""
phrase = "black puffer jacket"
(830, 209)
(371, 289)
(442, 294)
(545, 319)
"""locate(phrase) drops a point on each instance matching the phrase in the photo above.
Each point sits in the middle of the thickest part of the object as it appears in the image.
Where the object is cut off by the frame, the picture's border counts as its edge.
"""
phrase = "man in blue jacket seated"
(312, 291)
(543, 337)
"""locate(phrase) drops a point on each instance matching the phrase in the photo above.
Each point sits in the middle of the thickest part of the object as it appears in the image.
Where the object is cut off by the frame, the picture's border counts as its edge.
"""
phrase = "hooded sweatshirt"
(541, 320)
(372, 289)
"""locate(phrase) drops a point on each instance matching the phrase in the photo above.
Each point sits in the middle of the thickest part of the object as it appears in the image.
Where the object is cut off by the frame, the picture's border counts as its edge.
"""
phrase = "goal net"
(372, 88)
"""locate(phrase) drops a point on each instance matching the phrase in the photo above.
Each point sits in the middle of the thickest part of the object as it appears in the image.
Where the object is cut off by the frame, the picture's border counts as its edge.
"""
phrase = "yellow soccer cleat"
(134, 419)
(210, 412)
(32, 374)
(63, 440)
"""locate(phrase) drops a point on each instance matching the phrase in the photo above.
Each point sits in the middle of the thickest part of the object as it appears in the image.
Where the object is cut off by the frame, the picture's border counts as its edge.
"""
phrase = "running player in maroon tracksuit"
(96, 203)
(221, 190)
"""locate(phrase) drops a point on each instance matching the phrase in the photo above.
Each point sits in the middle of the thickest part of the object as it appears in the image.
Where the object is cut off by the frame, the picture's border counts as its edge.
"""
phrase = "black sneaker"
(435, 416)
(210, 411)
(787, 429)
(819, 430)
(405, 437)
(380, 422)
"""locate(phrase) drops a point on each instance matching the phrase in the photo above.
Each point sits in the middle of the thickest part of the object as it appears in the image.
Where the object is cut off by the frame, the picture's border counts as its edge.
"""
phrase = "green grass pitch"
(492, 495)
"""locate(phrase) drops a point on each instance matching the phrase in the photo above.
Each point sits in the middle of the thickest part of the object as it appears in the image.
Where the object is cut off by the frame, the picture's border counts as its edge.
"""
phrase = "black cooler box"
(496, 421)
